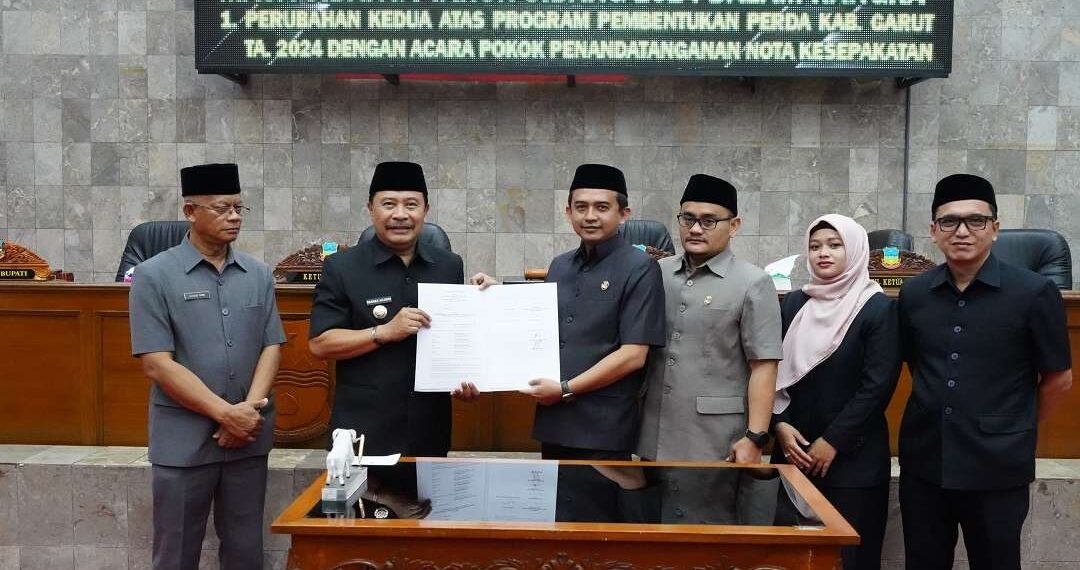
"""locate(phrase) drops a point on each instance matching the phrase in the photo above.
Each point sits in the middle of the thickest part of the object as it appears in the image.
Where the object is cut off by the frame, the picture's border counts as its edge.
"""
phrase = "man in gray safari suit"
(205, 326)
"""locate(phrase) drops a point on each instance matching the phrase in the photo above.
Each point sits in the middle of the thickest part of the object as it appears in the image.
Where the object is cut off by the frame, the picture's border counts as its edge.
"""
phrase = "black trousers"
(866, 508)
(991, 521)
(587, 496)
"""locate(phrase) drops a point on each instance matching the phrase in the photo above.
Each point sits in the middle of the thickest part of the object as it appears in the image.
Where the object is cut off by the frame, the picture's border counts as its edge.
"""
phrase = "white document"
(489, 491)
(499, 338)
(377, 460)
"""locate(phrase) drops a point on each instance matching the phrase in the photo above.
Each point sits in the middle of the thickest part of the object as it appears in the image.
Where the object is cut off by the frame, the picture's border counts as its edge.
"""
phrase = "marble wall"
(100, 106)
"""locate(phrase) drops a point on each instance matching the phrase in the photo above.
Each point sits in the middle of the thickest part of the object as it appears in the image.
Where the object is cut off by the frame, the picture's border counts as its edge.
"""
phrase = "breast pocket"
(252, 321)
(599, 314)
(721, 329)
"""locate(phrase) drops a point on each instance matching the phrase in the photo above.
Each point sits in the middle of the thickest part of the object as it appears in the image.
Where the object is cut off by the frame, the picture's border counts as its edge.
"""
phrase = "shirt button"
(586, 269)
(961, 303)
(954, 356)
(220, 282)
(570, 319)
(951, 383)
(408, 279)
(957, 329)
(667, 389)
(676, 336)
(225, 312)
(678, 512)
(671, 362)
(948, 410)
(682, 308)
(228, 342)
(232, 375)
(689, 282)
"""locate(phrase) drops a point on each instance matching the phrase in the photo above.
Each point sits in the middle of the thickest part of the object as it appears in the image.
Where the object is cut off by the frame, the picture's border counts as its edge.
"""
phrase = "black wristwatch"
(760, 438)
(567, 395)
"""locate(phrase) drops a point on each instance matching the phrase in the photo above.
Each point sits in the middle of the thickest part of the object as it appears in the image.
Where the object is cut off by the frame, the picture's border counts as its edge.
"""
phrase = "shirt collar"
(382, 253)
(719, 264)
(191, 257)
(989, 273)
(602, 249)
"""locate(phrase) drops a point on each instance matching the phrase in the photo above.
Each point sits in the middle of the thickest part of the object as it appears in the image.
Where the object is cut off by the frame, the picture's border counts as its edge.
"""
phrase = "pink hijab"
(820, 325)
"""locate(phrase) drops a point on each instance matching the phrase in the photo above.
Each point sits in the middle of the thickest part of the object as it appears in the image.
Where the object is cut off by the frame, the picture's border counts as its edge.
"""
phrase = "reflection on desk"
(507, 490)
(505, 541)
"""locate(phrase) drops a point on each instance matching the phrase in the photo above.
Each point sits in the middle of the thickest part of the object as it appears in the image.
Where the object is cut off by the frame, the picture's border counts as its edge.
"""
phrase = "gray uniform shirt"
(718, 319)
(216, 326)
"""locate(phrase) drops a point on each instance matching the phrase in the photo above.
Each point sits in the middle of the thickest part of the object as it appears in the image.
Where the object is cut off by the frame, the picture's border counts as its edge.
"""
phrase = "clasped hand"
(814, 461)
(240, 424)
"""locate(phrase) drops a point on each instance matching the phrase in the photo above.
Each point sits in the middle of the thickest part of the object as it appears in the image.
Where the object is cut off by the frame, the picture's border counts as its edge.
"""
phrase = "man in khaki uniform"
(710, 390)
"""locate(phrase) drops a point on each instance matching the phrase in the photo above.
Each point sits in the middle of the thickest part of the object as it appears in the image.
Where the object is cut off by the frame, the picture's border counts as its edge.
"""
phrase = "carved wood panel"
(17, 262)
(303, 389)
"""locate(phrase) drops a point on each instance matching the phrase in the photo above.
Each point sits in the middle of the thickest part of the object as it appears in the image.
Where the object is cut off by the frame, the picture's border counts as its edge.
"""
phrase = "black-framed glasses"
(225, 210)
(707, 223)
(975, 222)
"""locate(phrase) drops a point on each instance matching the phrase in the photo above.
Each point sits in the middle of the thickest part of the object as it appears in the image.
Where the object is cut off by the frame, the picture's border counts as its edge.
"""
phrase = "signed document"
(499, 338)
(489, 491)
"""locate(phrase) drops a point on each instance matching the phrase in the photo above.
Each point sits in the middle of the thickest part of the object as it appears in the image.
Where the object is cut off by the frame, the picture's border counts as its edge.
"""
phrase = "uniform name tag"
(377, 301)
(196, 295)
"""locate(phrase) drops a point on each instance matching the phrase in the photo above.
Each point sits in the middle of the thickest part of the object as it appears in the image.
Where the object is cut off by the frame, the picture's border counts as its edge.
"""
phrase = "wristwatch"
(760, 438)
(567, 395)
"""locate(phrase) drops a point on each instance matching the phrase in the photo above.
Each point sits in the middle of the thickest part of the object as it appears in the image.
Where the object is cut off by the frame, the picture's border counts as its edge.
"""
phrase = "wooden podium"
(373, 544)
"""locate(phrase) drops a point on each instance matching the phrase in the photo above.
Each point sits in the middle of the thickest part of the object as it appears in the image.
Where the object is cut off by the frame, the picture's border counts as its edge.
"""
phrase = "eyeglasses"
(688, 221)
(974, 222)
(224, 210)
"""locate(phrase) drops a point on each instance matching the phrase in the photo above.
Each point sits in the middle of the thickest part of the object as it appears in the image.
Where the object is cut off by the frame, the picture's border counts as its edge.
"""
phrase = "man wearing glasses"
(710, 390)
(988, 350)
(205, 326)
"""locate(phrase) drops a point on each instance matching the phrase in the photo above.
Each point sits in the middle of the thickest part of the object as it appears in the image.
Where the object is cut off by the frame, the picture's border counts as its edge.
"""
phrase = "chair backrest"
(647, 232)
(147, 240)
(1043, 251)
(430, 234)
(891, 238)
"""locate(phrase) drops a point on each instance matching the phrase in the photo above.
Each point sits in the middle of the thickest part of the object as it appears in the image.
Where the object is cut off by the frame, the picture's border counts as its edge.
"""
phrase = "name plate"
(303, 277)
(20, 264)
(890, 281)
(890, 266)
(16, 274)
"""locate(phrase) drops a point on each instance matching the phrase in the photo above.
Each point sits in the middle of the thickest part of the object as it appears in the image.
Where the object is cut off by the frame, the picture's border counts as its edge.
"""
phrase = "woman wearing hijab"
(840, 367)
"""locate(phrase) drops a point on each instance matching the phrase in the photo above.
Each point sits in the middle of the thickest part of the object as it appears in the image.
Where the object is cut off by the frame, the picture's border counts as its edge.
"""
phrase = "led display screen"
(908, 38)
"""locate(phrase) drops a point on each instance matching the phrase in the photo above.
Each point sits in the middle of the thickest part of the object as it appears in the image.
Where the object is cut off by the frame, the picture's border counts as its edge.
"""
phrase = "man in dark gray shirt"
(611, 311)
(205, 325)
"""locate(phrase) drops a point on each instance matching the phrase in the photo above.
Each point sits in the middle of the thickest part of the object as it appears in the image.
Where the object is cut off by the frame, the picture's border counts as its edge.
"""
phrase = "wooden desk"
(354, 544)
(67, 377)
